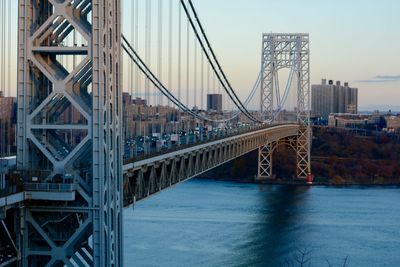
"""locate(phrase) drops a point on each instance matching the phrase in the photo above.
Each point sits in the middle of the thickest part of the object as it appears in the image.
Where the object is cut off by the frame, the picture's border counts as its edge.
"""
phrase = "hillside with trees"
(344, 157)
(338, 157)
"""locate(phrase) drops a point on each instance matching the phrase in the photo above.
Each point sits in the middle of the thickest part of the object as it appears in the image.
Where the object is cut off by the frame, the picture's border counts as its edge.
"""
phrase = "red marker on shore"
(309, 179)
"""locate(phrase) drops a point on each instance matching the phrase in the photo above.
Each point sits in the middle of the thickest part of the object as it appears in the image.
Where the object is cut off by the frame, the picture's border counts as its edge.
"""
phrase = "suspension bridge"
(62, 204)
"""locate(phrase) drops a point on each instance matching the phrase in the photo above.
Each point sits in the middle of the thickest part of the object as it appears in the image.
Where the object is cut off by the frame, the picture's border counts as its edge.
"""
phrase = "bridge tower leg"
(265, 161)
(291, 51)
(303, 106)
(69, 132)
(268, 75)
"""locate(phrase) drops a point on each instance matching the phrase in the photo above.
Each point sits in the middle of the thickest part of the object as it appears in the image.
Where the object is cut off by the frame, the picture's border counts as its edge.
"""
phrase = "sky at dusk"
(350, 40)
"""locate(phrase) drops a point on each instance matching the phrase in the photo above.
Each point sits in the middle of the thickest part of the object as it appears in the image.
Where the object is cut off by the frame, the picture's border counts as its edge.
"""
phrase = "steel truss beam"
(56, 77)
(147, 177)
(287, 51)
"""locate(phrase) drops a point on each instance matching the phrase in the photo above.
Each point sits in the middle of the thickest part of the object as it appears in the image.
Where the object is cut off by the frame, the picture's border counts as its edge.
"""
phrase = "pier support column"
(265, 161)
(303, 153)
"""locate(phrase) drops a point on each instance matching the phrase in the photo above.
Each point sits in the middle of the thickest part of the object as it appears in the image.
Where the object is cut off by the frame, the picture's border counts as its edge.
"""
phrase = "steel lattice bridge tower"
(291, 51)
(55, 230)
(75, 181)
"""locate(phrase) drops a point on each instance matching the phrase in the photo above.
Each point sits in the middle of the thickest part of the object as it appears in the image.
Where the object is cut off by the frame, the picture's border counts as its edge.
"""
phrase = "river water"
(216, 223)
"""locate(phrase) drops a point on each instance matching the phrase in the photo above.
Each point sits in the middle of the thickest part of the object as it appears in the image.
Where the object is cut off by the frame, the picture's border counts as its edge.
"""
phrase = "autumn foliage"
(338, 157)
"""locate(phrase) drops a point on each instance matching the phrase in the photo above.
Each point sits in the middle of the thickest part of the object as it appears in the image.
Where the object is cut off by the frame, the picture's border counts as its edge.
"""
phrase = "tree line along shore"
(338, 157)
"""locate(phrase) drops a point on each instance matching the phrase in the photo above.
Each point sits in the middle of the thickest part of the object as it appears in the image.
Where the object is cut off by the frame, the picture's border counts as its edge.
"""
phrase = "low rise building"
(392, 123)
(348, 120)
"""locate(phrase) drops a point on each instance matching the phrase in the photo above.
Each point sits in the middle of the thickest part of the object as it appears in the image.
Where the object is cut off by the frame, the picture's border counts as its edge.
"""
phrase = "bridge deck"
(168, 153)
(148, 176)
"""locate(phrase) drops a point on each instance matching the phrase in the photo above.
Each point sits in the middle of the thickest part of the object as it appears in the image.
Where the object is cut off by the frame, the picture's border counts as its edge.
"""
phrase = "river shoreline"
(339, 158)
(300, 183)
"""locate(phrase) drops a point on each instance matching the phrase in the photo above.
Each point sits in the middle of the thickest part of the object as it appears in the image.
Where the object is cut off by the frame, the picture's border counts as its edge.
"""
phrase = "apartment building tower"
(330, 98)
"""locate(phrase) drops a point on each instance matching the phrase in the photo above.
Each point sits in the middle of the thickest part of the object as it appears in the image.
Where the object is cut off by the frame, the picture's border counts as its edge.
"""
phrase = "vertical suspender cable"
(277, 89)
(170, 21)
(214, 90)
(131, 65)
(138, 83)
(160, 58)
(148, 61)
(219, 92)
(2, 84)
(9, 71)
(179, 51)
(137, 74)
(2, 49)
(187, 67)
(208, 79)
(147, 47)
(202, 94)
(179, 61)
(187, 61)
(159, 63)
(202, 82)
(195, 73)
(9, 48)
(1, 74)
(226, 101)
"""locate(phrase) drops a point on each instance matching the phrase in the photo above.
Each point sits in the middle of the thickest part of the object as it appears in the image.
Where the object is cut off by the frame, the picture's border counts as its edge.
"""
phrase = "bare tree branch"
(329, 264)
(345, 261)
(302, 257)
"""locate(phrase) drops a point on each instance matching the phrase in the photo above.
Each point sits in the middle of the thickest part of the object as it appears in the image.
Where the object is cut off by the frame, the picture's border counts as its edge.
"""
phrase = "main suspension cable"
(227, 88)
(158, 84)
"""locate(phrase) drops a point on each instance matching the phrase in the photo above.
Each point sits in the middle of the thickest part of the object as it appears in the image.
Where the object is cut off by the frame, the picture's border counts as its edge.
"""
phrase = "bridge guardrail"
(49, 187)
(180, 147)
(10, 190)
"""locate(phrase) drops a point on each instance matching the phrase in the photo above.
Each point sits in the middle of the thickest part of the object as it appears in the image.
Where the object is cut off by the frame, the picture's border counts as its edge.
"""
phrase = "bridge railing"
(39, 187)
(49, 187)
(213, 138)
(10, 190)
(17, 181)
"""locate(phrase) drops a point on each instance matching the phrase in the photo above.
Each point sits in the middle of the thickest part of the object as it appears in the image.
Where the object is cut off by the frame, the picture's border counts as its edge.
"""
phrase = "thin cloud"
(381, 79)
(388, 77)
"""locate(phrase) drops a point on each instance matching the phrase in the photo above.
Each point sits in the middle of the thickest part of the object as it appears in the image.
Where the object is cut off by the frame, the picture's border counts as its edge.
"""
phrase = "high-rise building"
(214, 102)
(330, 98)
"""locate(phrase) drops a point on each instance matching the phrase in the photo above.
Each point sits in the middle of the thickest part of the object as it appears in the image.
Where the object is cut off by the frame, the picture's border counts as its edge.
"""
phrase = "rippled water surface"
(213, 223)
